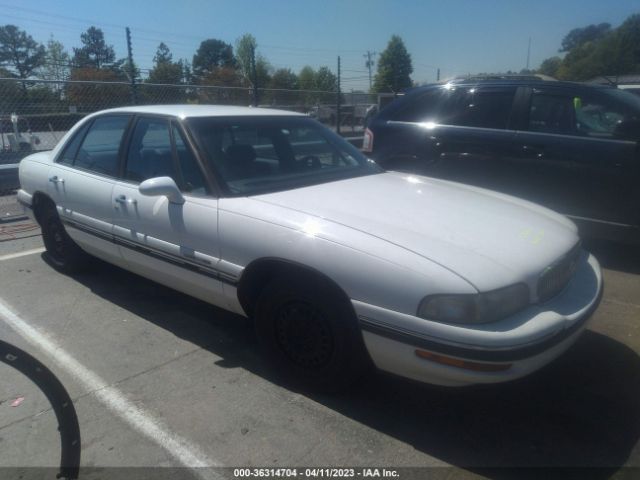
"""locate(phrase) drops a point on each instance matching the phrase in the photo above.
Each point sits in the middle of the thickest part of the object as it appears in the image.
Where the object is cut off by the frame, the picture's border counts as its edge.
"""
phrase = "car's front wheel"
(61, 251)
(310, 334)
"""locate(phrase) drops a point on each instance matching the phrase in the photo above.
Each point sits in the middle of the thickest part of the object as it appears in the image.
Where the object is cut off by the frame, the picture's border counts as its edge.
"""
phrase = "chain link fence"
(35, 114)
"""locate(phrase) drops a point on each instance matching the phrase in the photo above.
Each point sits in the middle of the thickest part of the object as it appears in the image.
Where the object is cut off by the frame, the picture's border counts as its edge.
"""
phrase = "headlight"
(479, 308)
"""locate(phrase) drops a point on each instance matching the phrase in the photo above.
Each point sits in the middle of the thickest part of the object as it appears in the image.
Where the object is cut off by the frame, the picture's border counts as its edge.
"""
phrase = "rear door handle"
(123, 200)
(533, 151)
(56, 179)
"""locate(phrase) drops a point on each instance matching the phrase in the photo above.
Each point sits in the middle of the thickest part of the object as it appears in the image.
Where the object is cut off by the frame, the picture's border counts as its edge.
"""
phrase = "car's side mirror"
(162, 186)
(628, 130)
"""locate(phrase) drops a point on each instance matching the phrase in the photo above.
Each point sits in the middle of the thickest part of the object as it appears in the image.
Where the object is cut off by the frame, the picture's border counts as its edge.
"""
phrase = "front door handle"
(123, 200)
(533, 151)
(56, 179)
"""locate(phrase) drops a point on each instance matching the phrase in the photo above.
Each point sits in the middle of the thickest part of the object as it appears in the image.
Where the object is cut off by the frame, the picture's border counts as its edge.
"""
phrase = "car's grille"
(556, 276)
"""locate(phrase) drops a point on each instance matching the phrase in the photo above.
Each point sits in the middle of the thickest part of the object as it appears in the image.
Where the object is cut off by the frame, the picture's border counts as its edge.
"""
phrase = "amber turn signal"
(465, 364)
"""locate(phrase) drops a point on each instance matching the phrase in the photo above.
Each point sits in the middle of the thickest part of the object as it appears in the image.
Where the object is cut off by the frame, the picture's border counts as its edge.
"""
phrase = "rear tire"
(310, 334)
(62, 252)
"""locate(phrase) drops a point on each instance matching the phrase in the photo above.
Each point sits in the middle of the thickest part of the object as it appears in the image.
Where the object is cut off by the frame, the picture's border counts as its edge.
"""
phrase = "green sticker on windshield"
(577, 103)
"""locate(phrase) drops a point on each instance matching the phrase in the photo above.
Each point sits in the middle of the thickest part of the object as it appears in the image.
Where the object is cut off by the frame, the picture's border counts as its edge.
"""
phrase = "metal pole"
(438, 76)
(255, 77)
(132, 73)
(369, 64)
(338, 100)
(528, 53)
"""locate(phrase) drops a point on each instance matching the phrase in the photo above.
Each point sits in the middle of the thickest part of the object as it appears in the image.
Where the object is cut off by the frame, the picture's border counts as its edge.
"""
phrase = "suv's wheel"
(62, 252)
(309, 334)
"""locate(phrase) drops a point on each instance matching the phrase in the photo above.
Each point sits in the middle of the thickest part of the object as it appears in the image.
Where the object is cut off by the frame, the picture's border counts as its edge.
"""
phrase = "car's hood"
(487, 238)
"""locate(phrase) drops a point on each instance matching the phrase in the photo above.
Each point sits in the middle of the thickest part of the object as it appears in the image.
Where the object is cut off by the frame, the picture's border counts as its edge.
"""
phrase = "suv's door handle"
(122, 199)
(55, 179)
(533, 151)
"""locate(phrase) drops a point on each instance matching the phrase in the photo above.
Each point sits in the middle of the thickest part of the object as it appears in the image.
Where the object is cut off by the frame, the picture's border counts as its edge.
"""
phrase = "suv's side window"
(552, 113)
(99, 150)
(149, 154)
(599, 117)
(483, 108)
(421, 108)
(581, 114)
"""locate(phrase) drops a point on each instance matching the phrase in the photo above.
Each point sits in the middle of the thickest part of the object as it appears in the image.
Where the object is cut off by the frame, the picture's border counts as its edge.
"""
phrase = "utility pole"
(528, 53)
(132, 73)
(338, 101)
(255, 77)
(438, 75)
(369, 64)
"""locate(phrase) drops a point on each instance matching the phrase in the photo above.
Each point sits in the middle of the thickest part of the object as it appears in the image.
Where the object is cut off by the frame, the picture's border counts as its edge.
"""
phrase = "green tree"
(284, 78)
(325, 80)
(94, 51)
(628, 38)
(307, 78)
(19, 52)
(163, 54)
(283, 82)
(165, 72)
(599, 50)
(580, 36)
(394, 68)
(253, 67)
(88, 97)
(212, 54)
(246, 53)
(56, 65)
(550, 66)
(164, 69)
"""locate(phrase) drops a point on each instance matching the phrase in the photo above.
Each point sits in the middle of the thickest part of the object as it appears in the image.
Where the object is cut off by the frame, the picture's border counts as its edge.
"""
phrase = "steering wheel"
(309, 162)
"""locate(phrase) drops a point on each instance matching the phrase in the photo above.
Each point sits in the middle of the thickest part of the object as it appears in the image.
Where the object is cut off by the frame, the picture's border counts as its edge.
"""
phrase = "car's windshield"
(260, 154)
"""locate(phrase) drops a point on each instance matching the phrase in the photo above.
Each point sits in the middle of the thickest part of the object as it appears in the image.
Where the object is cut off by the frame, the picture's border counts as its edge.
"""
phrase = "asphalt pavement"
(159, 379)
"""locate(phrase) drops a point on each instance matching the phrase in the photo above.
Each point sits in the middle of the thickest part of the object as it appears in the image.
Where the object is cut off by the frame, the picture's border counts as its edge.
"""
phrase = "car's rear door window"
(482, 108)
(99, 150)
(424, 107)
(71, 150)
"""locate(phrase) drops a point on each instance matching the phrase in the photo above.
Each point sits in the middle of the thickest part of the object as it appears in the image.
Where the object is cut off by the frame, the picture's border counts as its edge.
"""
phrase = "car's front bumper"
(457, 355)
(26, 202)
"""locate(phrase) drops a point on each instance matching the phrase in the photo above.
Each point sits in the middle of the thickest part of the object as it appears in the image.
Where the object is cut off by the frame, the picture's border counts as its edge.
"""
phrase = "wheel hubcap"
(304, 335)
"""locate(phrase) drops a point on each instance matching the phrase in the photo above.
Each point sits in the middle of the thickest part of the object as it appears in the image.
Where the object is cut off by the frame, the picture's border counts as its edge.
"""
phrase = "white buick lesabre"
(270, 215)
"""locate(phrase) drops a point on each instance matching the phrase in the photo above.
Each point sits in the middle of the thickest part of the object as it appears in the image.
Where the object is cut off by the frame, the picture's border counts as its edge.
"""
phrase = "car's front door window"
(550, 113)
(599, 117)
(192, 178)
(149, 154)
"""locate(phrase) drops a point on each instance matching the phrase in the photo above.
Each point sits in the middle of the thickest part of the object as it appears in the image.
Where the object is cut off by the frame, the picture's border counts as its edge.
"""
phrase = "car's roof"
(515, 81)
(185, 111)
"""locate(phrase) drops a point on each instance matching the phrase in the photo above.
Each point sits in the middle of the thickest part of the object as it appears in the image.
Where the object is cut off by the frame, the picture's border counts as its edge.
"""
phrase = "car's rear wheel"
(309, 334)
(61, 251)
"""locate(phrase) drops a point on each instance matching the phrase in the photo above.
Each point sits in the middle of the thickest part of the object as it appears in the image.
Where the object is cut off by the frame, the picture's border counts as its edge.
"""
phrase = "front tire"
(310, 334)
(61, 251)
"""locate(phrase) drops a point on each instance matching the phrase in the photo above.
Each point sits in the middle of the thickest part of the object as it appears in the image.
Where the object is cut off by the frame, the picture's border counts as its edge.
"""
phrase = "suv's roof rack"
(480, 78)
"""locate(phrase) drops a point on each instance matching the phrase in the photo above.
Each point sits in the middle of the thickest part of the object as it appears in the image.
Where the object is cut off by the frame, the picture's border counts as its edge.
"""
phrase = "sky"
(458, 37)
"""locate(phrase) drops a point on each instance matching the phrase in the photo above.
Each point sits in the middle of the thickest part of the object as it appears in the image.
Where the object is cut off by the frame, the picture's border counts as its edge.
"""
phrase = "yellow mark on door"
(532, 236)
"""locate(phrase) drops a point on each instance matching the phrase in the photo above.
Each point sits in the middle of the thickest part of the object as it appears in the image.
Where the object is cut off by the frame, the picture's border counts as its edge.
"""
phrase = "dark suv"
(569, 146)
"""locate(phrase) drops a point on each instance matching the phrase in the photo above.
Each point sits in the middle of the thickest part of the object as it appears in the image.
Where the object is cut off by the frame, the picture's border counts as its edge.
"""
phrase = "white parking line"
(9, 256)
(186, 453)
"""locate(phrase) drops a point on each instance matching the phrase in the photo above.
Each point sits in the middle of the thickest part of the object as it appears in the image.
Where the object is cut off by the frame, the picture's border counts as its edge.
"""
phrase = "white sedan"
(342, 265)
